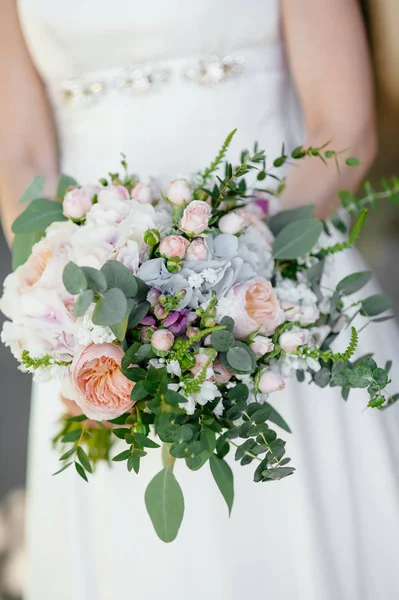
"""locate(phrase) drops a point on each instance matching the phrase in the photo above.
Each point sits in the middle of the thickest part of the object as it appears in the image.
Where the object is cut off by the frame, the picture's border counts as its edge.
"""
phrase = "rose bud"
(261, 345)
(162, 340)
(142, 193)
(152, 237)
(222, 375)
(174, 265)
(112, 193)
(179, 192)
(78, 201)
(200, 361)
(191, 332)
(270, 382)
(160, 312)
(146, 334)
(174, 246)
(291, 310)
(290, 340)
(195, 217)
(231, 223)
(181, 294)
(197, 250)
(153, 296)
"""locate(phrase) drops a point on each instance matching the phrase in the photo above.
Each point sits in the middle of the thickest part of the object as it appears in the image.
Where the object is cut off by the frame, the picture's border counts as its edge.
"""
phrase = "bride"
(84, 81)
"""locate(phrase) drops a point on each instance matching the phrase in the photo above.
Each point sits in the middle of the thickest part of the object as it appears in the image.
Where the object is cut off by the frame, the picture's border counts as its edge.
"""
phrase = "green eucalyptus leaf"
(145, 441)
(34, 190)
(375, 305)
(224, 479)
(22, 247)
(82, 303)
(138, 313)
(84, 459)
(81, 471)
(165, 504)
(138, 393)
(110, 309)
(95, 280)
(352, 161)
(119, 276)
(74, 279)
(39, 214)
(297, 239)
(285, 217)
(72, 436)
(354, 282)
(65, 182)
(222, 340)
(241, 358)
(276, 418)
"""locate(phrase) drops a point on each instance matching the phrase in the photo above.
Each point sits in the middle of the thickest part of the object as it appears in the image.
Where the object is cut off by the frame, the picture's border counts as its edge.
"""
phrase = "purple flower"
(178, 321)
(148, 320)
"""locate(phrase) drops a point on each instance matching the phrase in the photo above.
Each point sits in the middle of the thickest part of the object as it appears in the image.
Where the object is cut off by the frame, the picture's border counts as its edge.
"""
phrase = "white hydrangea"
(210, 276)
(87, 333)
(195, 280)
(208, 392)
(224, 308)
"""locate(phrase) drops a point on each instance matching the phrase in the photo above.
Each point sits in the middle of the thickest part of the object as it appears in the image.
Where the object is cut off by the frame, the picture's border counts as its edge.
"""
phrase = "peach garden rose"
(103, 392)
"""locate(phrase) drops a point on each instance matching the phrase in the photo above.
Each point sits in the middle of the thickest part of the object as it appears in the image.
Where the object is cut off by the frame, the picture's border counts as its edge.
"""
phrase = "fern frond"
(352, 239)
(215, 164)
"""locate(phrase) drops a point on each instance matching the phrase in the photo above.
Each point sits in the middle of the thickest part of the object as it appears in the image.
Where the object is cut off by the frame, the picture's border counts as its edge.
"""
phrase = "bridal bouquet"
(174, 318)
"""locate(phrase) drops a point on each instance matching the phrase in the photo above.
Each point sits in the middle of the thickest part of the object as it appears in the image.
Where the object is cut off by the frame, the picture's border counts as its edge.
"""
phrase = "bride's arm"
(330, 64)
(27, 138)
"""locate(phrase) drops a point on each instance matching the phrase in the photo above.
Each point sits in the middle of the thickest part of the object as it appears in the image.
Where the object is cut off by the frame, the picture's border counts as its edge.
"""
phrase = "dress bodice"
(70, 37)
(176, 127)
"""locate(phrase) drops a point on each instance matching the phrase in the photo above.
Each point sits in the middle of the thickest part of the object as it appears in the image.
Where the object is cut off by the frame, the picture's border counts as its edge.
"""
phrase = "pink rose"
(255, 306)
(200, 361)
(78, 201)
(231, 223)
(290, 340)
(111, 193)
(270, 382)
(174, 246)
(162, 340)
(261, 345)
(195, 217)
(222, 375)
(142, 192)
(179, 192)
(197, 250)
(103, 392)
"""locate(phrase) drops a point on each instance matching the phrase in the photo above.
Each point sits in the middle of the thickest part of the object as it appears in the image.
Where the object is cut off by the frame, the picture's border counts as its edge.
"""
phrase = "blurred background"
(379, 243)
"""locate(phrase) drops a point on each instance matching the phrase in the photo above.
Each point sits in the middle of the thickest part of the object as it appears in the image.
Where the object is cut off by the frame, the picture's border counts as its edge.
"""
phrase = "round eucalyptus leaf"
(82, 303)
(222, 340)
(95, 280)
(119, 276)
(297, 239)
(110, 309)
(74, 279)
(224, 479)
(240, 358)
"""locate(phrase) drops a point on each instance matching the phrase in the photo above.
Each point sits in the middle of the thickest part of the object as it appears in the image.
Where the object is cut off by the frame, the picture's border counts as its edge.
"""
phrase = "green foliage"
(22, 247)
(82, 303)
(215, 164)
(74, 279)
(119, 276)
(297, 239)
(375, 305)
(64, 183)
(354, 282)
(279, 221)
(224, 479)
(111, 308)
(38, 215)
(165, 504)
(239, 358)
(34, 190)
(352, 239)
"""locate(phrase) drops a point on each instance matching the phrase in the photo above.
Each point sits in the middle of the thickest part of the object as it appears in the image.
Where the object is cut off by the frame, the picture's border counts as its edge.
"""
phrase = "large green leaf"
(223, 476)
(22, 247)
(64, 182)
(33, 191)
(354, 282)
(241, 358)
(276, 418)
(74, 279)
(165, 504)
(283, 218)
(375, 305)
(111, 308)
(39, 214)
(297, 239)
(95, 280)
(119, 276)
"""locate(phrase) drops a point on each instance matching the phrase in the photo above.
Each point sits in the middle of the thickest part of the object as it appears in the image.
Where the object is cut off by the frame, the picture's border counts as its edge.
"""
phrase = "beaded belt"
(139, 79)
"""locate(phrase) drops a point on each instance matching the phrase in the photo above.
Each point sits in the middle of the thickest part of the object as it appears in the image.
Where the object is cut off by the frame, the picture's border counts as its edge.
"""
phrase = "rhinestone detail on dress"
(86, 91)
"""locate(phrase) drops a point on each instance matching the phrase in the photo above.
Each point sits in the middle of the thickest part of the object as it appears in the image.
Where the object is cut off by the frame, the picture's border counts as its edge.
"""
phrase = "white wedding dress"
(330, 531)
